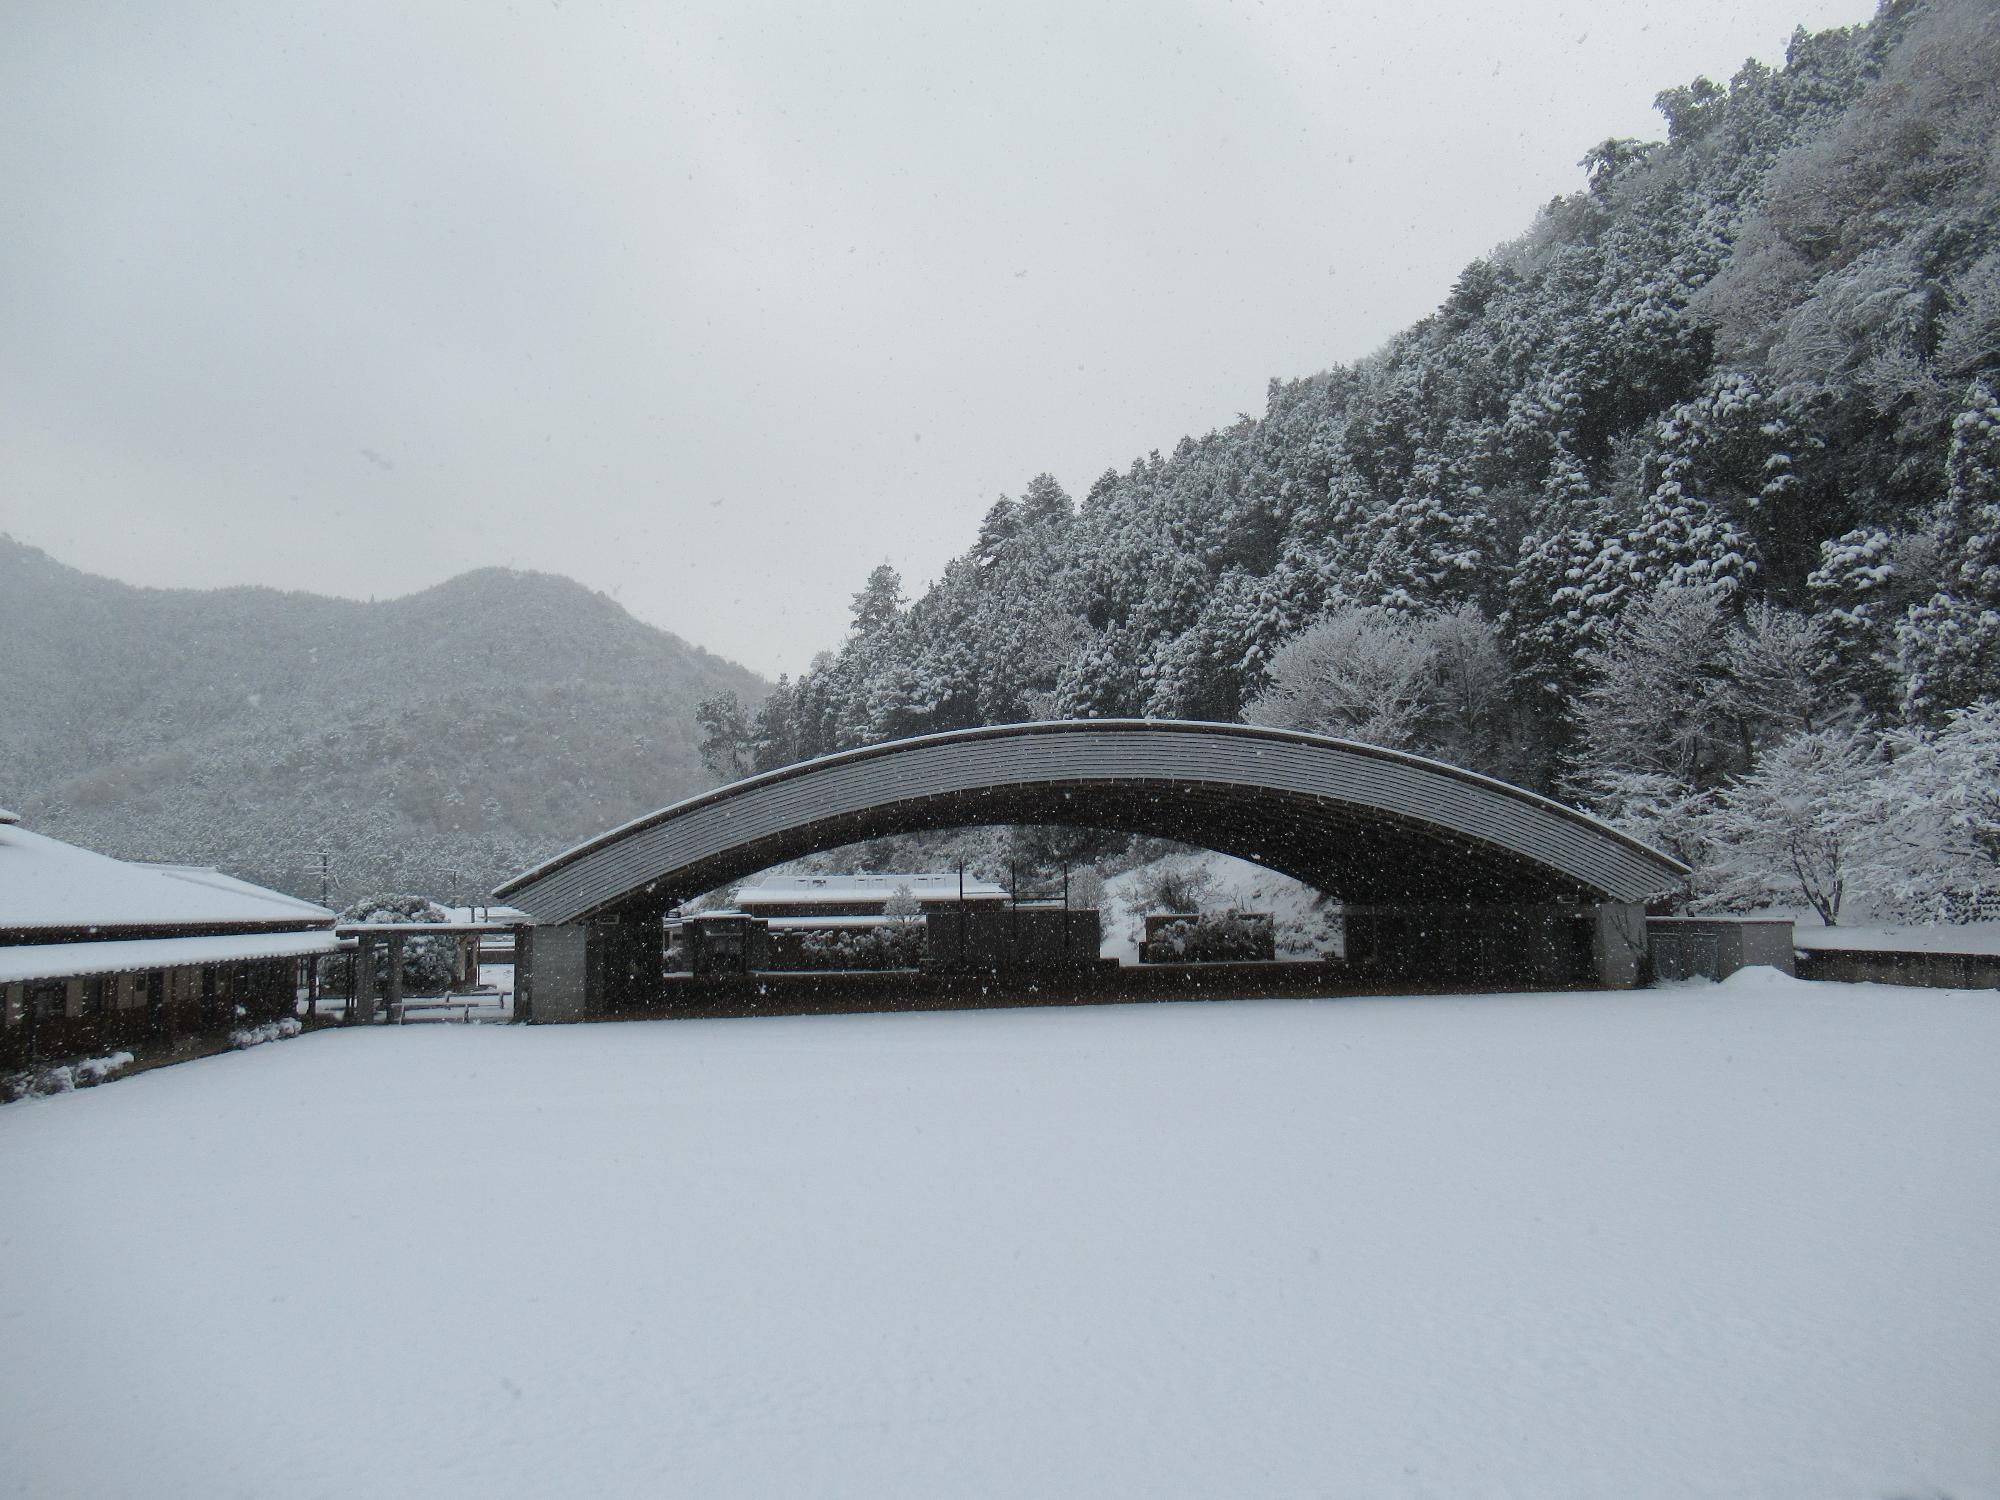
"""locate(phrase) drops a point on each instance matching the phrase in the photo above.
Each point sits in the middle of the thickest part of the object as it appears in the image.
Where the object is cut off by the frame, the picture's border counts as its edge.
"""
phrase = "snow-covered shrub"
(1172, 886)
(61, 1078)
(1086, 890)
(1213, 937)
(270, 1031)
(892, 945)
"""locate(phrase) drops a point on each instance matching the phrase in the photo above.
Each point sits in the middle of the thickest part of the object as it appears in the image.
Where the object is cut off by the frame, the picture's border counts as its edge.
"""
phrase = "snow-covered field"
(1733, 1240)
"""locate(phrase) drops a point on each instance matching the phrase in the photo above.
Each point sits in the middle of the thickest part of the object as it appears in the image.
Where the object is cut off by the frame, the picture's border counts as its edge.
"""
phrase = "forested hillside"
(437, 742)
(1739, 387)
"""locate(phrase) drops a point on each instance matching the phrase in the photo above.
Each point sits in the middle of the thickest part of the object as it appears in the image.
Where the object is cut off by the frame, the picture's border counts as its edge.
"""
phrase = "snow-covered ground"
(1732, 1240)
(1898, 937)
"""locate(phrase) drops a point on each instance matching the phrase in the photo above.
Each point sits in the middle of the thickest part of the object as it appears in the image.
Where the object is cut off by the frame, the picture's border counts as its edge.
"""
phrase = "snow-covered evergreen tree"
(1950, 645)
(1779, 665)
(1660, 699)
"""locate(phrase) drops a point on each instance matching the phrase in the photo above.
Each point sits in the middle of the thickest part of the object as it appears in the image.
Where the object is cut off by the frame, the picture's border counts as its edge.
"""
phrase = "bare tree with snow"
(1941, 814)
(1803, 826)
(1360, 673)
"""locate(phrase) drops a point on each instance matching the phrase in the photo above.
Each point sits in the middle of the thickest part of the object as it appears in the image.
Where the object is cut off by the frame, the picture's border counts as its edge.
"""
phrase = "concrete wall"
(1952, 971)
(1716, 947)
(559, 967)
(1768, 943)
(1618, 945)
(1544, 945)
(986, 937)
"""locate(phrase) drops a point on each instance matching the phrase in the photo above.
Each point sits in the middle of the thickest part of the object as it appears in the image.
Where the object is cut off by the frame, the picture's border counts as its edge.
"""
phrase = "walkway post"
(524, 972)
(396, 977)
(362, 1009)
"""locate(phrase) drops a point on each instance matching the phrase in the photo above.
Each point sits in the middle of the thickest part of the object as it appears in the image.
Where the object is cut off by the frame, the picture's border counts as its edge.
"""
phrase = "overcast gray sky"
(715, 306)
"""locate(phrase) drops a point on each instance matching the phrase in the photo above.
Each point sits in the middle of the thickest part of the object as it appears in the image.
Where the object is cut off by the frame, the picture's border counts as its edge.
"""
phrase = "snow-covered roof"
(204, 875)
(820, 924)
(47, 883)
(831, 890)
(131, 955)
(418, 929)
(504, 916)
(7, 817)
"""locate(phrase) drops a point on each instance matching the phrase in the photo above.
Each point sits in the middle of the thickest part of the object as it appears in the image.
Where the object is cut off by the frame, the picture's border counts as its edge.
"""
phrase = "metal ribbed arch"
(1361, 822)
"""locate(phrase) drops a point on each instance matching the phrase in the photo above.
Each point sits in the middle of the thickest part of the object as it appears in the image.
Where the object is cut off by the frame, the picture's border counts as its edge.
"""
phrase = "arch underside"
(1362, 824)
(1351, 853)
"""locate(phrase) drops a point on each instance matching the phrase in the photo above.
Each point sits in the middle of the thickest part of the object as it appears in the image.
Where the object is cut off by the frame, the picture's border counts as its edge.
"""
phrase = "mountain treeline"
(438, 742)
(1754, 360)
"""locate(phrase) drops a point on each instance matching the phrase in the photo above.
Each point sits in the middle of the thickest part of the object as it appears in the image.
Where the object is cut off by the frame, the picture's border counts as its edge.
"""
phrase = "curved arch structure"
(1357, 821)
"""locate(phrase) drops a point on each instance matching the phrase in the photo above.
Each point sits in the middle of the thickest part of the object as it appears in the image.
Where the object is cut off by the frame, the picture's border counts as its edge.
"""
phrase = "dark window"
(47, 999)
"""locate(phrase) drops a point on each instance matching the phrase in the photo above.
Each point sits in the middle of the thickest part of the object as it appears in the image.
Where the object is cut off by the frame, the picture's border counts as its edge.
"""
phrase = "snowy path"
(1711, 1241)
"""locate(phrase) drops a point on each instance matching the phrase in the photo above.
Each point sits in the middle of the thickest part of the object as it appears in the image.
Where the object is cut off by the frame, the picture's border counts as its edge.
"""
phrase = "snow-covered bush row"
(61, 1078)
(890, 945)
(1214, 937)
(270, 1031)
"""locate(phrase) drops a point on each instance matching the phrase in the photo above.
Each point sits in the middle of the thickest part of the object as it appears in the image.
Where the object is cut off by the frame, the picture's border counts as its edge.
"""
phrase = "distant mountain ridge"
(438, 741)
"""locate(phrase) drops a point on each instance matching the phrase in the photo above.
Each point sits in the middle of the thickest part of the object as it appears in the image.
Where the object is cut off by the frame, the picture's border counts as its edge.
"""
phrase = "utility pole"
(1014, 907)
(1069, 922)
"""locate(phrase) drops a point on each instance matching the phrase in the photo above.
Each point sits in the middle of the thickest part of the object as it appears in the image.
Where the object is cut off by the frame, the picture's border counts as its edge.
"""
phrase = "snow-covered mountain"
(438, 741)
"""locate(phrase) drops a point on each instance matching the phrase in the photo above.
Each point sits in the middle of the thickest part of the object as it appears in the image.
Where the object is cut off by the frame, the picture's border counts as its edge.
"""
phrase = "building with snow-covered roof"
(97, 952)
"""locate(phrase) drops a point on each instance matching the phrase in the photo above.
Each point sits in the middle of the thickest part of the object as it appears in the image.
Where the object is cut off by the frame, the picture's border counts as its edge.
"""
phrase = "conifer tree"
(1950, 645)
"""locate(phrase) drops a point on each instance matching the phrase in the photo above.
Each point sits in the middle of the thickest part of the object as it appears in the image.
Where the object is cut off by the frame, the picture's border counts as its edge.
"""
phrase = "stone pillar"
(1618, 945)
